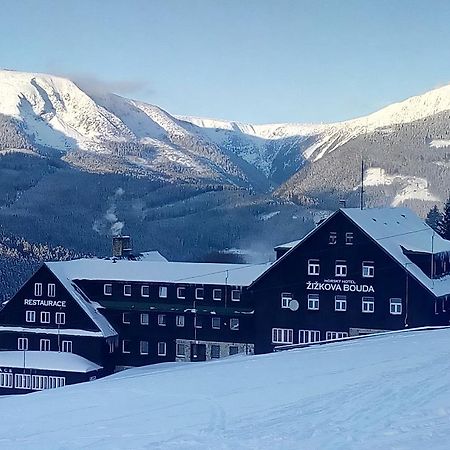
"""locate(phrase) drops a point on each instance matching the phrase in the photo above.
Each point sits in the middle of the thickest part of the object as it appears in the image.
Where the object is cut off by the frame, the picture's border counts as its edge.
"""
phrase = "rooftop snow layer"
(63, 361)
(167, 272)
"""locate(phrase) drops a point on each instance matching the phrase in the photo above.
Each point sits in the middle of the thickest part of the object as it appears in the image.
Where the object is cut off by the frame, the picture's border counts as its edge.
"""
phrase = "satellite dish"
(293, 305)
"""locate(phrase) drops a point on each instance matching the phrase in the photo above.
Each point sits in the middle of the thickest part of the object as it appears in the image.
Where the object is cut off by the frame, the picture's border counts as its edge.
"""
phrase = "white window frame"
(67, 346)
(181, 292)
(314, 267)
(180, 345)
(22, 381)
(126, 317)
(60, 318)
(286, 298)
(340, 269)
(162, 349)
(313, 302)
(6, 380)
(44, 345)
(51, 290)
(198, 322)
(38, 289)
(217, 297)
(282, 336)
(179, 320)
(234, 324)
(127, 290)
(368, 305)
(199, 296)
(332, 239)
(308, 336)
(145, 287)
(39, 382)
(349, 238)
(22, 344)
(215, 323)
(145, 318)
(162, 320)
(30, 316)
(45, 317)
(340, 303)
(395, 306)
(107, 289)
(56, 382)
(368, 269)
(233, 293)
(334, 335)
(162, 291)
(143, 347)
(124, 351)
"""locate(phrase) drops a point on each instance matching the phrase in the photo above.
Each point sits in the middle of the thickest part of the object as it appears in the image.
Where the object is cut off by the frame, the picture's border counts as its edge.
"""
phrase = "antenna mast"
(362, 185)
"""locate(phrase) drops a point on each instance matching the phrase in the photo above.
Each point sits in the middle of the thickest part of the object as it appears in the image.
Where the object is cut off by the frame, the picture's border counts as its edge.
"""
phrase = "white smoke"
(110, 223)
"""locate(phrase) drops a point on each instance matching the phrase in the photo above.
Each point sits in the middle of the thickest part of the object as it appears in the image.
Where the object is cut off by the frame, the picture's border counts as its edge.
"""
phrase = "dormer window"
(368, 269)
(341, 269)
(348, 238)
(333, 238)
(313, 267)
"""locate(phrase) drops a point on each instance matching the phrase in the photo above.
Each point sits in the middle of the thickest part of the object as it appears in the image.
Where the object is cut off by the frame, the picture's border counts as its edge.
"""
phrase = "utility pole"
(362, 185)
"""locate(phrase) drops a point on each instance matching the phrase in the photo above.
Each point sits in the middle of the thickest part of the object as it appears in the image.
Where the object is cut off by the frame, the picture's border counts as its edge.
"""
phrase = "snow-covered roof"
(147, 271)
(287, 245)
(394, 228)
(153, 255)
(60, 331)
(62, 361)
(59, 270)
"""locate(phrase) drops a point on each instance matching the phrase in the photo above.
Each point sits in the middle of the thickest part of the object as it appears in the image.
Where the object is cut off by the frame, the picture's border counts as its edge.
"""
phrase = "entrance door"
(198, 352)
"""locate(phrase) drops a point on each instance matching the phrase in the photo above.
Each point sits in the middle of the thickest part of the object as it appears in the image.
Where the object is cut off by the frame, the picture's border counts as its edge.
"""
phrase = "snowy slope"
(384, 392)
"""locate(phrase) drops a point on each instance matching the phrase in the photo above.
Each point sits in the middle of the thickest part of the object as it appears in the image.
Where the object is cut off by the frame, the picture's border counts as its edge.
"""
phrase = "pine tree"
(444, 224)
(434, 217)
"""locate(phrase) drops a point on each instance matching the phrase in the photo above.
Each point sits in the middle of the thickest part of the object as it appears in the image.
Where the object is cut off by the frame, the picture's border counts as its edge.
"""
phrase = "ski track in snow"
(382, 392)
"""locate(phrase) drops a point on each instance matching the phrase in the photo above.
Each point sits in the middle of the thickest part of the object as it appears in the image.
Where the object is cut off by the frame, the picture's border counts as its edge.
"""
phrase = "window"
(313, 302)
(341, 269)
(197, 322)
(22, 344)
(282, 336)
(39, 382)
(333, 238)
(215, 323)
(6, 380)
(181, 350)
(145, 291)
(235, 295)
(60, 318)
(163, 292)
(181, 292)
(38, 289)
(217, 294)
(368, 269)
(348, 238)
(233, 350)
(161, 349)
(234, 324)
(126, 346)
(127, 290)
(286, 298)
(51, 290)
(143, 347)
(44, 345)
(313, 267)
(107, 289)
(162, 322)
(368, 305)
(111, 346)
(22, 381)
(333, 335)
(340, 303)
(56, 382)
(307, 336)
(215, 351)
(199, 294)
(144, 319)
(45, 317)
(30, 316)
(179, 321)
(67, 346)
(395, 306)
(126, 317)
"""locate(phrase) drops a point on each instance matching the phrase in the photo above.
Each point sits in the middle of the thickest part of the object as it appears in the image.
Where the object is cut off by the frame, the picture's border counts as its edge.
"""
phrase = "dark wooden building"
(358, 272)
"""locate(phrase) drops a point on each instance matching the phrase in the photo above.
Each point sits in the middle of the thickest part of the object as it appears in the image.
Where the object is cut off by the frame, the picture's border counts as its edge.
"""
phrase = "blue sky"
(258, 61)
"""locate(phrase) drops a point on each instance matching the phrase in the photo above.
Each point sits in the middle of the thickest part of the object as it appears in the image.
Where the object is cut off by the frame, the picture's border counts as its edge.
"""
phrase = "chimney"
(121, 246)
